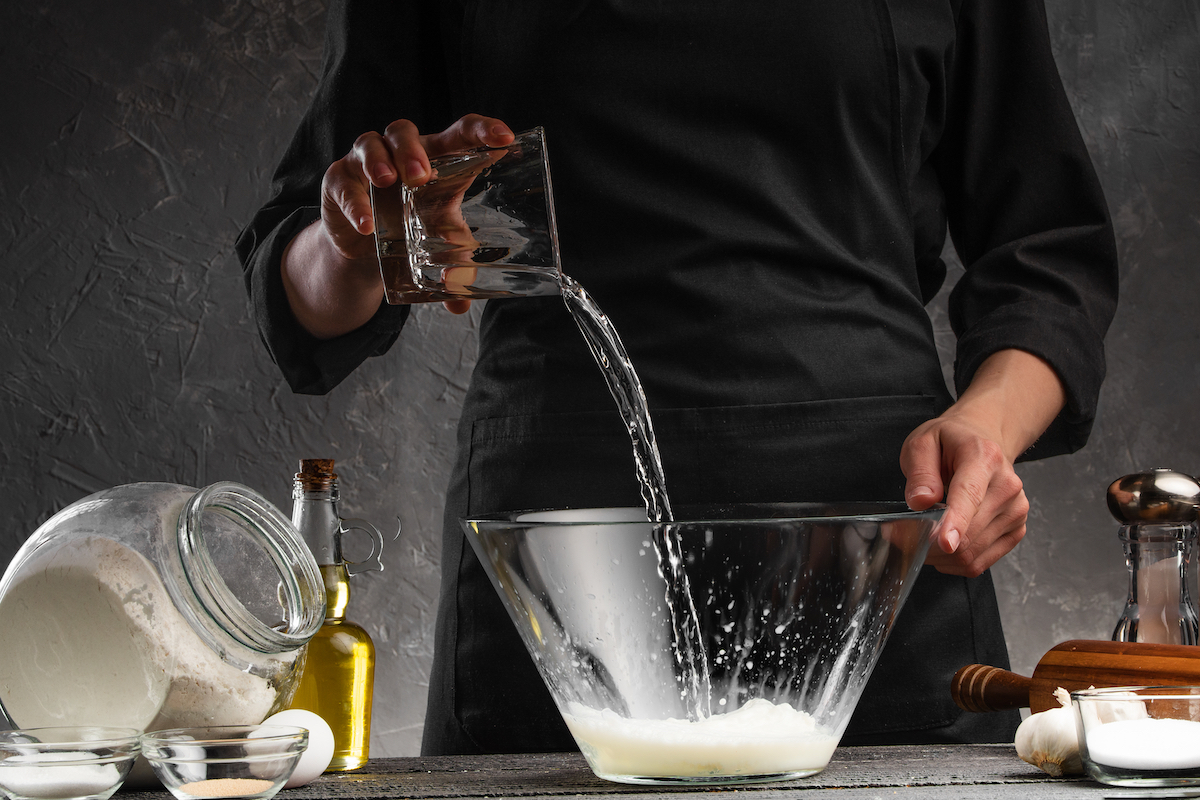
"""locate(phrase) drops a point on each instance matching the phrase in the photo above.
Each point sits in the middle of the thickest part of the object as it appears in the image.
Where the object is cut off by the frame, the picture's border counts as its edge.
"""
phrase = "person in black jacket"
(758, 196)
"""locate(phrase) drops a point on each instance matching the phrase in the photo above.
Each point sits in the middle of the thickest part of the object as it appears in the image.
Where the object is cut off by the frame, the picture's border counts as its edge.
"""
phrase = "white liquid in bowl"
(760, 738)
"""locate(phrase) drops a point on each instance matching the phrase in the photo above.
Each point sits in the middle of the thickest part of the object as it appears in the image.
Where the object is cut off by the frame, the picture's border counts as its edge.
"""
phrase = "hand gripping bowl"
(729, 648)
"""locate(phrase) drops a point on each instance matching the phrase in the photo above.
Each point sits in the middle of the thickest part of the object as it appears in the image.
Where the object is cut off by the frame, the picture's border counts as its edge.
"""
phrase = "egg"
(316, 758)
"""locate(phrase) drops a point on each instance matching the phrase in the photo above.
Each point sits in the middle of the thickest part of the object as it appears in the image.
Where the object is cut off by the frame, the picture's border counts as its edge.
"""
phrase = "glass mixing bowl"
(731, 647)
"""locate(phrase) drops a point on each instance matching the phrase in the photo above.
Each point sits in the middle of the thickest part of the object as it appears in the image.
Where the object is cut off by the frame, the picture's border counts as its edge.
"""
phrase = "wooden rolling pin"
(1074, 665)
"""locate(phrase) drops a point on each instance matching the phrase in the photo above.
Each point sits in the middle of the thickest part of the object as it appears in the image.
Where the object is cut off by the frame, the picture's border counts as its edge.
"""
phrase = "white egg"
(316, 758)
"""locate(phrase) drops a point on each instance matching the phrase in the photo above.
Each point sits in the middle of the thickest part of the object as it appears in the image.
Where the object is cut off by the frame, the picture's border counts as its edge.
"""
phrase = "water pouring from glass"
(483, 227)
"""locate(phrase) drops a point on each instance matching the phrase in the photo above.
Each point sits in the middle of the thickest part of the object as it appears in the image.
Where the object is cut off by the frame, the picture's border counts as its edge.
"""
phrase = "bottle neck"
(337, 591)
(315, 515)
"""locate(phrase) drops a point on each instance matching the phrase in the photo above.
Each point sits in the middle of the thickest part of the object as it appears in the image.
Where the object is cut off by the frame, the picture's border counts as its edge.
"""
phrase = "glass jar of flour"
(153, 605)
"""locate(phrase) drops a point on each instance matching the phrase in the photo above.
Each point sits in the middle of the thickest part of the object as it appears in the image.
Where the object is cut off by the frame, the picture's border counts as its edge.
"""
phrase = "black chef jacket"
(757, 194)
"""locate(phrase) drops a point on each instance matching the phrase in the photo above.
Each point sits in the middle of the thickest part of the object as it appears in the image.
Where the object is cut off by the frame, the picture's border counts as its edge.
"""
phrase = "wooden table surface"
(855, 773)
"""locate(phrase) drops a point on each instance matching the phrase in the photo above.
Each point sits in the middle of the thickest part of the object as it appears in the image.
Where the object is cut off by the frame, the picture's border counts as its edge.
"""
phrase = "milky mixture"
(760, 738)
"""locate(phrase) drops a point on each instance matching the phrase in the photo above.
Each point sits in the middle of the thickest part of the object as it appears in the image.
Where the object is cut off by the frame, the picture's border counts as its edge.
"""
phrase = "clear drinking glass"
(482, 227)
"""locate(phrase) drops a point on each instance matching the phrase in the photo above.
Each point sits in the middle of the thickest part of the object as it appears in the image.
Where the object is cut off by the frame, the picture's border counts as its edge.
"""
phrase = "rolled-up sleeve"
(1026, 213)
(382, 62)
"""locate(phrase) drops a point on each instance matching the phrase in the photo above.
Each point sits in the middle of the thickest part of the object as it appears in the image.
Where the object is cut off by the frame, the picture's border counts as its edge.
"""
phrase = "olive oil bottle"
(339, 669)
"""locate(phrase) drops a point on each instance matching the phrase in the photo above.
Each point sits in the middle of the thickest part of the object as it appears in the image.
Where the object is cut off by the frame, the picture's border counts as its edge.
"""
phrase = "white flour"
(760, 738)
(93, 638)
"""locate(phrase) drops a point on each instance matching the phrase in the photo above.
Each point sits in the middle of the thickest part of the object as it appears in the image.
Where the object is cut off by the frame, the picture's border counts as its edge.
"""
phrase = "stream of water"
(626, 388)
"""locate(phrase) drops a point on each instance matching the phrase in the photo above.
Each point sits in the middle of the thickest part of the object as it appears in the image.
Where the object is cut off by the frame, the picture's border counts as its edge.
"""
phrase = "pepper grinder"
(1158, 512)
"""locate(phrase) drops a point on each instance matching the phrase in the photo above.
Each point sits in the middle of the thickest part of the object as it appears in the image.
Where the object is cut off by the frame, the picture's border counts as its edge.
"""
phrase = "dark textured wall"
(138, 137)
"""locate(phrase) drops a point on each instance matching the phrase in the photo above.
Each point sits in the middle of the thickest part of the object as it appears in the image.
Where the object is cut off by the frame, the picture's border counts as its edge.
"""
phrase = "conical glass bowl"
(731, 647)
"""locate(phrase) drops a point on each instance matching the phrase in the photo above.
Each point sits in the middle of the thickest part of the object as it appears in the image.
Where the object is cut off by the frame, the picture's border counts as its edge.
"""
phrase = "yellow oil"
(338, 676)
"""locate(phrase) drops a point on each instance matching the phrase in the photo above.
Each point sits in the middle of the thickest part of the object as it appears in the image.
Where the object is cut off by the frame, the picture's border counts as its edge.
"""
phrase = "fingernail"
(920, 491)
(382, 172)
(951, 538)
(416, 170)
(364, 223)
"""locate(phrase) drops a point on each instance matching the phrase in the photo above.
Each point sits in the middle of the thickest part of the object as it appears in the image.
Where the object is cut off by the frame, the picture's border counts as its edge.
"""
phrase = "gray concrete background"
(138, 137)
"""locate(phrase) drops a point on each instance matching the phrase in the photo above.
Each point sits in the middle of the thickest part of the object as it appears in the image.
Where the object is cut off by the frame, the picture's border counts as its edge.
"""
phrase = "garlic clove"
(1048, 739)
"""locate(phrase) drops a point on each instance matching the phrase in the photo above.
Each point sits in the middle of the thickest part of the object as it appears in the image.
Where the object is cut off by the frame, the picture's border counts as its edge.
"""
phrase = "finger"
(345, 200)
(375, 157)
(997, 527)
(408, 152)
(999, 547)
(974, 564)
(969, 486)
(921, 462)
(473, 130)
(457, 306)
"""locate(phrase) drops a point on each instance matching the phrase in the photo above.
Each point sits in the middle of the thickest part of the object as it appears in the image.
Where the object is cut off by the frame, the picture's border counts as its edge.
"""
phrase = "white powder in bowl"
(53, 776)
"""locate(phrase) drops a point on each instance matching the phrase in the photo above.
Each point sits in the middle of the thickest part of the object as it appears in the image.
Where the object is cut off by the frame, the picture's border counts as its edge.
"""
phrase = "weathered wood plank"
(939, 771)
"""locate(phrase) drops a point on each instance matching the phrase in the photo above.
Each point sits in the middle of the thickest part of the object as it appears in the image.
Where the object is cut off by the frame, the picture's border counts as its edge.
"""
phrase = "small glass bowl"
(65, 763)
(1142, 736)
(242, 761)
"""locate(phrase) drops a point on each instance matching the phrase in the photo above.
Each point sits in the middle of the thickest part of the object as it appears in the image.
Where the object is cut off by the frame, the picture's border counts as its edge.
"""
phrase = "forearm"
(329, 294)
(1015, 395)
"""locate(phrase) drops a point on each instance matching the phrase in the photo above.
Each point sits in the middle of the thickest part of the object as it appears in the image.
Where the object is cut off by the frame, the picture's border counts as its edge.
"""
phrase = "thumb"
(921, 462)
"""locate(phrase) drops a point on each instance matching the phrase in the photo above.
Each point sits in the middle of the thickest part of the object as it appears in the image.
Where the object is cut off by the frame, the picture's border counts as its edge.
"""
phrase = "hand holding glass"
(482, 227)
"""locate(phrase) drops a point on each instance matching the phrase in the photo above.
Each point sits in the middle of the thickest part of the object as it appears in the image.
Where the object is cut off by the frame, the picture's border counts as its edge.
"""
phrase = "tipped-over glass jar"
(153, 605)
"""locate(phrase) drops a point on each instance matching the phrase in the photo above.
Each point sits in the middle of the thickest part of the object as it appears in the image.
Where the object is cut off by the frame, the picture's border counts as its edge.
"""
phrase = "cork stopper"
(316, 474)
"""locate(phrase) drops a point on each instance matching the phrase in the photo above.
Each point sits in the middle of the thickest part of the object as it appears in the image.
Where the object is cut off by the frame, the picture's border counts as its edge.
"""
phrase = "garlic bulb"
(1048, 739)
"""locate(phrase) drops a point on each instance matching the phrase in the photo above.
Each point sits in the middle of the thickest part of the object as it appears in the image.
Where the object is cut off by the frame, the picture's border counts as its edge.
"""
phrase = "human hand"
(401, 152)
(965, 457)
(958, 460)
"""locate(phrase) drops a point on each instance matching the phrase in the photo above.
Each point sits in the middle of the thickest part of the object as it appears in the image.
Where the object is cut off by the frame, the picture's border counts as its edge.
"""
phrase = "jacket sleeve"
(383, 61)
(1026, 213)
